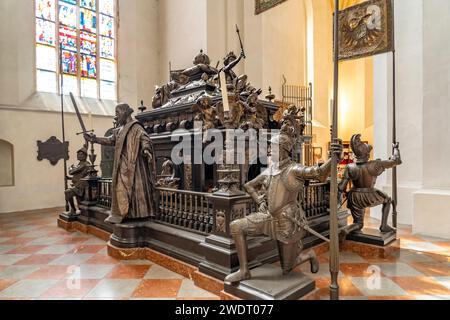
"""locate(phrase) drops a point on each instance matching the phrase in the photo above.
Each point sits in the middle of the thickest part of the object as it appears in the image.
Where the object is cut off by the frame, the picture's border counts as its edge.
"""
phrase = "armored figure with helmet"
(363, 174)
(280, 215)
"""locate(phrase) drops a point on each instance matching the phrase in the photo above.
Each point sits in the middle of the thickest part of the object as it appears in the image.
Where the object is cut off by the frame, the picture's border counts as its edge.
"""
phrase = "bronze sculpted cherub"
(363, 174)
(280, 214)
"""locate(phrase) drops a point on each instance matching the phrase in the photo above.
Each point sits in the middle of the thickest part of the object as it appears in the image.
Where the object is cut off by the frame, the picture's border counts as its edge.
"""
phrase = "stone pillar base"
(431, 215)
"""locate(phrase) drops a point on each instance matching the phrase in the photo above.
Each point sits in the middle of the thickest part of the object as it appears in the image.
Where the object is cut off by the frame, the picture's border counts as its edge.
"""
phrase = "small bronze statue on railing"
(363, 174)
(78, 172)
(280, 214)
(134, 179)
(167, 178)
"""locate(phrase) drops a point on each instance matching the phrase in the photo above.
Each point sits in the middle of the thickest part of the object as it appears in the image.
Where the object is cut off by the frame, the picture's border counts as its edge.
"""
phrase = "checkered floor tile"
(40, 261)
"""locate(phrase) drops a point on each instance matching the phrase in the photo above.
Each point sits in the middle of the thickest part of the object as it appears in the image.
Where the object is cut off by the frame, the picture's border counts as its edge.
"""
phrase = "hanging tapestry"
(366, 29)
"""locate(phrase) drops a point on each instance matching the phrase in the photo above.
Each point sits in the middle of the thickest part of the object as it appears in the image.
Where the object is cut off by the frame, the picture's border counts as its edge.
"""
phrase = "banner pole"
(394, 125)
(334, 236)
(66, 185)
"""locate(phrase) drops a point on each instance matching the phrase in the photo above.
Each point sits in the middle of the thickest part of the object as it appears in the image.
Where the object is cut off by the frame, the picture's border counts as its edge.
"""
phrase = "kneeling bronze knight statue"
(363, 174)
(78, 172)
(280, 214)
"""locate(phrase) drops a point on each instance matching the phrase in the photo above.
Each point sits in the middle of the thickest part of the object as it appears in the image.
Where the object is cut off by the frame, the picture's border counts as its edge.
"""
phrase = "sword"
(80, 119)
(240, 41)
(307, 228)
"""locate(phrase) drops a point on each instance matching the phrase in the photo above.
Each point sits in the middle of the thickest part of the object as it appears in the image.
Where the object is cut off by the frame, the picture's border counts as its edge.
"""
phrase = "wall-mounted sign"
(53, 150)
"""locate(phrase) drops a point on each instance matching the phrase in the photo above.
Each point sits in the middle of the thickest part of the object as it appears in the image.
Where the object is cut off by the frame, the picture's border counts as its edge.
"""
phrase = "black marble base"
(373, 237)
(268, 283)
(69, 217)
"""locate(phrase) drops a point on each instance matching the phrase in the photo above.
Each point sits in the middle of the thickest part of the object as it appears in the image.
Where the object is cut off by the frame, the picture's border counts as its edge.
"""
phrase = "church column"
(409, 86)
(432, 203)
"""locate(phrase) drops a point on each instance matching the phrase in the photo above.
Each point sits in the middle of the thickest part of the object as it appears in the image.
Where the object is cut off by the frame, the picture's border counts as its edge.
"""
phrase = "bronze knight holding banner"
(133, 180)
(363, 174)
(280, 214)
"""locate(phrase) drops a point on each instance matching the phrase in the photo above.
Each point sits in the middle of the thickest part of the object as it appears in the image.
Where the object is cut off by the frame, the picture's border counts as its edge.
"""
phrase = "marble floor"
(40, 261)
(418, 269)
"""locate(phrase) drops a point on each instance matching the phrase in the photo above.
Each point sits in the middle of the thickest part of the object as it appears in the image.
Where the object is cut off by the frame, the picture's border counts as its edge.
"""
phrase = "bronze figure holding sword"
(134, 171)
(280, 215)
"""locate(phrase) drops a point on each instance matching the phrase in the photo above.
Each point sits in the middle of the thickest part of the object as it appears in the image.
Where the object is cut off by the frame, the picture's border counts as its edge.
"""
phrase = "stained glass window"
(76, 47)
(67, 14)
(45, 32)
(45, 9)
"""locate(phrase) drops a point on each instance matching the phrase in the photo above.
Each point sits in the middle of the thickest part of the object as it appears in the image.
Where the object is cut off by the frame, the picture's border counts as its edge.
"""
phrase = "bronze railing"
(104, 195)
(187, 209)
(192, 211)
(316, 200)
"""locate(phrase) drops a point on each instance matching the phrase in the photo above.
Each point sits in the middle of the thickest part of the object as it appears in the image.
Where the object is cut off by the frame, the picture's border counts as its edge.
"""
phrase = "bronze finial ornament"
(280, 215)
(363, 174)
(133, 180)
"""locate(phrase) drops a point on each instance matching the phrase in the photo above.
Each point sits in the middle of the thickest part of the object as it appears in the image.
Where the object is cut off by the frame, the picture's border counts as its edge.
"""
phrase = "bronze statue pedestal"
(268, 283)
(65, 216)
(373, 237)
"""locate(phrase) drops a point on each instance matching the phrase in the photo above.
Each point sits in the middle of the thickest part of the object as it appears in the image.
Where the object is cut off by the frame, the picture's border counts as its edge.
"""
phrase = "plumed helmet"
(360, 149)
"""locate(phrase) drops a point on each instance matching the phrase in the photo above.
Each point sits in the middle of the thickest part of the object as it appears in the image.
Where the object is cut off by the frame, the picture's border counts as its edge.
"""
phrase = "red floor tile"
(391, 298)
(128, 272)
(356, 269)
(18, 241)
(102, 259)
(26, 250)
(346, 288)
(421, 286)
(88, 249)
(6, 283)
(10, 234)
(158, 289)
(69, 289)
(73, 240)
(442, 244)
(38, 259)
(49, 273)
(199, 299)
(440, 257)
(432, 269)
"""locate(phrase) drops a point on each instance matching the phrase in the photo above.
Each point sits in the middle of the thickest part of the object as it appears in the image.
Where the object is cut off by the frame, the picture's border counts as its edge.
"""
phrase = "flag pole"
(334, 236)
(394, 127)
(66, 185)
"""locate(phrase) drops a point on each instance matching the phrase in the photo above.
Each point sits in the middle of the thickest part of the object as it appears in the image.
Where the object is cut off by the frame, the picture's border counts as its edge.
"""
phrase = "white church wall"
(409, 93)
(432, 205)
(183, 33)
